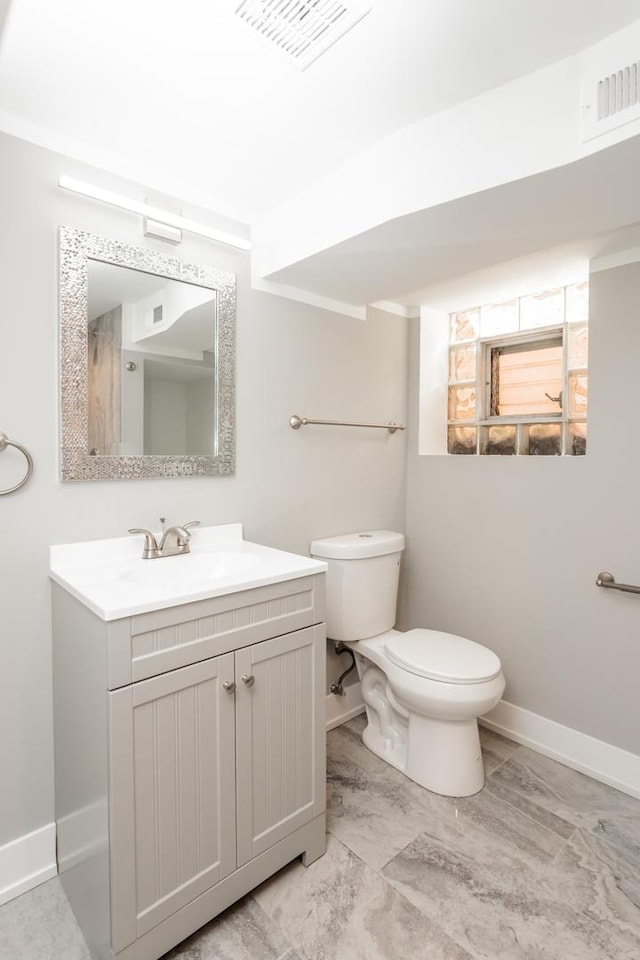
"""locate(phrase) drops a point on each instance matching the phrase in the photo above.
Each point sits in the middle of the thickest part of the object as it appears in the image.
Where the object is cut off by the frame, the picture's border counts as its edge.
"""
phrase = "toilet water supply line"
(337, 687)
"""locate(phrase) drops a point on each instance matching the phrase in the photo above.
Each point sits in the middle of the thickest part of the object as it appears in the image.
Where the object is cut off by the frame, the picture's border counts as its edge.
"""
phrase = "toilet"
(423, 689)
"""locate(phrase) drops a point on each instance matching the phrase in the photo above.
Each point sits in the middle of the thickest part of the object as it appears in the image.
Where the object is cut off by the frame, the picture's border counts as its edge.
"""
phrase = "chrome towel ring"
(4, 443)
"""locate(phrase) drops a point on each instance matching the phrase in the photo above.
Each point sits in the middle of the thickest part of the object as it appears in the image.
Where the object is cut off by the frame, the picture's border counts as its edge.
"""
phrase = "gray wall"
(289, 486)
(506, 550)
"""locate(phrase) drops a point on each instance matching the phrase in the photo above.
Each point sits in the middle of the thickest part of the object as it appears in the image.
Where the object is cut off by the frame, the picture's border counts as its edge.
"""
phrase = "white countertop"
(111, 579)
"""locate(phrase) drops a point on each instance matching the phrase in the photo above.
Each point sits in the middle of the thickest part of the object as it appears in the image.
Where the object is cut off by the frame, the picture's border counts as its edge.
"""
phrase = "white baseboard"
(595, 758)
(343, 708)
(602, 761)
(27, 861)
(83, 834)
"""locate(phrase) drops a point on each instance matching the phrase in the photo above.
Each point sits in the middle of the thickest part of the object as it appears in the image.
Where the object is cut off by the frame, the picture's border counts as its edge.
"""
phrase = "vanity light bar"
(153, 213)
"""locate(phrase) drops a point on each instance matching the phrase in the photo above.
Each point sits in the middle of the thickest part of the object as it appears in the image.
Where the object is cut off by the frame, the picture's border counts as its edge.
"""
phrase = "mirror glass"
(150, 364)
(150, 390)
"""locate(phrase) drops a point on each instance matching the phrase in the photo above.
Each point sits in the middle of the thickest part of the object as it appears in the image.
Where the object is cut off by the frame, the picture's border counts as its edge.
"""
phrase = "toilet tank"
(362, 582)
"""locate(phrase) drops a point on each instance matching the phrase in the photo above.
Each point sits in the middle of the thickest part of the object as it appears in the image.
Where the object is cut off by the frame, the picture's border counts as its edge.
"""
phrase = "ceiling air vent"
(301, 30)
(611, 84)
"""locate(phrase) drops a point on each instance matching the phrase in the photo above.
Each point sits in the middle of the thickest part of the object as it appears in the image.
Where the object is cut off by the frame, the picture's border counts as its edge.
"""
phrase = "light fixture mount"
(153, 213)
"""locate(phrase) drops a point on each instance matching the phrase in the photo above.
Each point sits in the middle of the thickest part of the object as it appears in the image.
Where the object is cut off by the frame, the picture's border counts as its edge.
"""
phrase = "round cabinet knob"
(248, 679)
(229, 686)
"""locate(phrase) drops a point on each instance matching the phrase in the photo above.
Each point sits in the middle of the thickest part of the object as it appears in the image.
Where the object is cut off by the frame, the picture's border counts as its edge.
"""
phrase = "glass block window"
(518, 376)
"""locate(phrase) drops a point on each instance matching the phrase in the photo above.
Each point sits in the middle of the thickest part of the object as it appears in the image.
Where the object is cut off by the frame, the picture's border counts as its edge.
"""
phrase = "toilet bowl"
(423, 689)
(433, 705)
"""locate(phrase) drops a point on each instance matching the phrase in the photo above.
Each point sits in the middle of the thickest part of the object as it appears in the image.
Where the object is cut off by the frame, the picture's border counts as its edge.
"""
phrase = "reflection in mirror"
(151, 364)
(147, 363)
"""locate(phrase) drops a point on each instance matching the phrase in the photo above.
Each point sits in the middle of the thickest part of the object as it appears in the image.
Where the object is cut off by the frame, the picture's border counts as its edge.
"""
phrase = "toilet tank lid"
(354, 546)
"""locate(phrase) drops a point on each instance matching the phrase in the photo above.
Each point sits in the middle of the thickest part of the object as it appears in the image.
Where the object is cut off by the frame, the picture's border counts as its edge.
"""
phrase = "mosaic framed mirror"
(147, 363)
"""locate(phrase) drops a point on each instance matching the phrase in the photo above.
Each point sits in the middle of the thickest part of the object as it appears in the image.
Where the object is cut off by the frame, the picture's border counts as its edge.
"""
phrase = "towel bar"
(4, 443)
(608, 580)
(295, 422)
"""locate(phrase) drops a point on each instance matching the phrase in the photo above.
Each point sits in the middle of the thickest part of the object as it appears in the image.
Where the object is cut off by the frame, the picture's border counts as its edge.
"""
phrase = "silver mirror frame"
(76, 248)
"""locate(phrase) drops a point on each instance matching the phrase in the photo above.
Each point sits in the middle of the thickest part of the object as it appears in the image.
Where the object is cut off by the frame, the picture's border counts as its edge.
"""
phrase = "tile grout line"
(399, 893)
(538, 807)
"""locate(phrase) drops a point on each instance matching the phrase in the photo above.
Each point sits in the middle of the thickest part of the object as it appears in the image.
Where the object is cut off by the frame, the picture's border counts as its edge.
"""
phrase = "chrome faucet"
(173, 542)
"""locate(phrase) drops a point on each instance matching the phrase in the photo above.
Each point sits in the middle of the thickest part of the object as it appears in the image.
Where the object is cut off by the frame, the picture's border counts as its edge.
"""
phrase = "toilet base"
(441, 755)
(445, 755)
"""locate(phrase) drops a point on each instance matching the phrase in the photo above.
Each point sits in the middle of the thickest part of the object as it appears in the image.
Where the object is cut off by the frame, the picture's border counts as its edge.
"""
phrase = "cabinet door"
(172, 802)
(280, 737)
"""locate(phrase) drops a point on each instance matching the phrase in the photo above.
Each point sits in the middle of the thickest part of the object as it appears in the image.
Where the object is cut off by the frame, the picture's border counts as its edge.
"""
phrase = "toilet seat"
(442, 656)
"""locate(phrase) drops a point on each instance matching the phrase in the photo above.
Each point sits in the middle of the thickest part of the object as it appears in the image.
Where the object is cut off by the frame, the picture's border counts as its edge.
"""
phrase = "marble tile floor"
(543, 864)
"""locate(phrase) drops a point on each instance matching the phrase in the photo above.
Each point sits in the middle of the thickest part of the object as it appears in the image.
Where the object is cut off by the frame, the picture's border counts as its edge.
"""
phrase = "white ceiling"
(182, 98)
(581, 203)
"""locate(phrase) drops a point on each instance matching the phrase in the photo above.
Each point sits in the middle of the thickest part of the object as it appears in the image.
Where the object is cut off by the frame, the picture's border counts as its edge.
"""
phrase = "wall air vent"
(301, 30)
(611, 83)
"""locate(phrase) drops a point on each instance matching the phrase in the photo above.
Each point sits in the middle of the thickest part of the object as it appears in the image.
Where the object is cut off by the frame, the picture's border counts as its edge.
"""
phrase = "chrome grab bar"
(4, 443)
(295, 422)
(608, 580)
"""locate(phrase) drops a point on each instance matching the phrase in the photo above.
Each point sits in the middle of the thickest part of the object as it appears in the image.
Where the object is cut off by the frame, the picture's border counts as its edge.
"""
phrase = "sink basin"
(188, 570)
(112, 580)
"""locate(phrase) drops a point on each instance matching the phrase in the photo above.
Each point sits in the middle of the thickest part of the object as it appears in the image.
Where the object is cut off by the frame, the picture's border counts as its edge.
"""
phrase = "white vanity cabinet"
(190, 757)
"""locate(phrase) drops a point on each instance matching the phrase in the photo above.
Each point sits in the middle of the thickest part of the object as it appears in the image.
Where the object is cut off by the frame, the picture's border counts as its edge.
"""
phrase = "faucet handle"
(150, 544)
(183, 533)
(147, 533)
